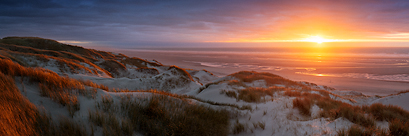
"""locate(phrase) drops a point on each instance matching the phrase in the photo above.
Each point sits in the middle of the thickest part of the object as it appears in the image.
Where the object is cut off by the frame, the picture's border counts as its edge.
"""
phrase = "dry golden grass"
(44, 49)
(398, 128)
(255, 94)
(60, 89)
(331, 108)
(181, 71)
(236, 83)
(292, 93)
(47, 44)
(18, 115)
(163, 115)
(355, 131)
(387, 112)
(113, 66)
(62, 54)
(303, 105)
(138, 62)
(271, 79)
(63, 63)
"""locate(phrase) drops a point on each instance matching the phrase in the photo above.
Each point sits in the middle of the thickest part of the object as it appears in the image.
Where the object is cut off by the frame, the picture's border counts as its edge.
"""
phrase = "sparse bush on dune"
(231, 94)
(68, 127)
(354, 131)
(398, 128)
(254, 94)
(304, 105)
(152, 71)
(238, 128)
(110, 124)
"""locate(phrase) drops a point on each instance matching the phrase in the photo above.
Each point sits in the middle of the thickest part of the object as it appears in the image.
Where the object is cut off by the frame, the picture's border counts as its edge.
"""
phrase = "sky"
(160, 22)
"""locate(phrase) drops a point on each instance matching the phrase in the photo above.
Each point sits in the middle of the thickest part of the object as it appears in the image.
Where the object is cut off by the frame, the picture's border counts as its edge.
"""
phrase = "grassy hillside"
(73, 58)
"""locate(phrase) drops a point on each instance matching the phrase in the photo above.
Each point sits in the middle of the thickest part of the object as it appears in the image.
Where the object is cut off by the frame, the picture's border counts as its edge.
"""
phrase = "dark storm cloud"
(183, 20)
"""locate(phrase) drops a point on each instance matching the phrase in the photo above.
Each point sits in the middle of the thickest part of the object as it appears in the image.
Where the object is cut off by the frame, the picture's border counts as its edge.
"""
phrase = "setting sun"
(316, 39)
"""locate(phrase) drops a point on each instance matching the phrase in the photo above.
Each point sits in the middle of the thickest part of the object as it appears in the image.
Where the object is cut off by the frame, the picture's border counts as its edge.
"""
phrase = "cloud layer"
(175, 21)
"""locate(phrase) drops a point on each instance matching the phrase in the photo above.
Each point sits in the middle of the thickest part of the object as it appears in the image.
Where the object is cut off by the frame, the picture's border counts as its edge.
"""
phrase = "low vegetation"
(18, 115)
(271, 79)
(47, 44)
(238, 128)
(163, 115)
(138, 62)
(152, 71)
(254, 94)
(303, 105)
(113, 66)
(180, 71)
(398, 128)
(364, 116)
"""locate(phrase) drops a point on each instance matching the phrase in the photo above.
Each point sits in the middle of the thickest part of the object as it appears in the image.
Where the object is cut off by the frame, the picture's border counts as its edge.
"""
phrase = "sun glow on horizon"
(318, 39)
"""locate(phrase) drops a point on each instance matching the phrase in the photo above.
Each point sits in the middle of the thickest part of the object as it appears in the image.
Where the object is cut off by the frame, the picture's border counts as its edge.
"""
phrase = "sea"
(367, 69)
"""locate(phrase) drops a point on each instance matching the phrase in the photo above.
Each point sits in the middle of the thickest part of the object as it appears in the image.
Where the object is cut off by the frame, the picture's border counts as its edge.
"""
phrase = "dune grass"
(113, 66)
(110, 123)
(180, 71)
(332, 108)
(387, 112)
(253, 94)
(138, 62)
(398, 128)
(18, 115)
(62, 90)
(364, 116)
(304, 105)
(271, 79)
(48, 44)
(163, 115)
(152, 71)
